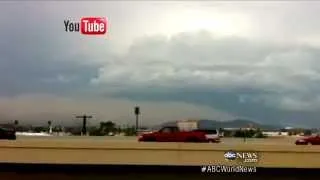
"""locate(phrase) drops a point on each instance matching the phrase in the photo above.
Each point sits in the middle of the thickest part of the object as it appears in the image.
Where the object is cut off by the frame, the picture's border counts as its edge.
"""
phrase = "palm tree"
(16, 122)
(49, 124)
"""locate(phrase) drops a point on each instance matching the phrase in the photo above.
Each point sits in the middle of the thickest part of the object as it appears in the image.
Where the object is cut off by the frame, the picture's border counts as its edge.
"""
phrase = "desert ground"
(273, 152)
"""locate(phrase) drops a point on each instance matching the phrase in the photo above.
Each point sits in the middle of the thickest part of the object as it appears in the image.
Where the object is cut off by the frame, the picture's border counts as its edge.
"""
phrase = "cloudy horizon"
(177, 60)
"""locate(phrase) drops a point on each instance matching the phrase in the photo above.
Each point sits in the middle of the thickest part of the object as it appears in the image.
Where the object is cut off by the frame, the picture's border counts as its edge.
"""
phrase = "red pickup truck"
(313, 140)
(173, 134)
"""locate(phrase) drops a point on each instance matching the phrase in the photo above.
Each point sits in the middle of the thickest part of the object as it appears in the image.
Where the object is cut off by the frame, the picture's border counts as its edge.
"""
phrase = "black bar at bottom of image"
(148, 169)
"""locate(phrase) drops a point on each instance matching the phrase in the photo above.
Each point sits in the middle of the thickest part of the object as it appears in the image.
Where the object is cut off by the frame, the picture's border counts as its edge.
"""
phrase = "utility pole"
(84, 124)
(137, 113)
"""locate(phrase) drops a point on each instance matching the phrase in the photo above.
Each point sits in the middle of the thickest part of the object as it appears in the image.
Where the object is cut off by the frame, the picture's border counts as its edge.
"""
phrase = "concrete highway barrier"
(131, 152)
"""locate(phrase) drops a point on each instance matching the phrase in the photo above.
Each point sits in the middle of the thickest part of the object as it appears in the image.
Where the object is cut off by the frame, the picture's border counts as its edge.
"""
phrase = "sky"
(176, 60)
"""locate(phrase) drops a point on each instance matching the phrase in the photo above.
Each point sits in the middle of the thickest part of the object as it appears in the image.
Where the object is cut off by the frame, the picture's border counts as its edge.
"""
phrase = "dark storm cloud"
(267, 82)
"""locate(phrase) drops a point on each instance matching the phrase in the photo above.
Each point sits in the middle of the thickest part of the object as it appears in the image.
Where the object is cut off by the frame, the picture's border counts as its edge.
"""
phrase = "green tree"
(307, 132)
(246, 133)
(107, 127)
(130, 131)
(39, 129)
(119, 130)
(259, 134)
(57, 128)
(250, 133)
(228, 133)
(94, 131)
(239, 133)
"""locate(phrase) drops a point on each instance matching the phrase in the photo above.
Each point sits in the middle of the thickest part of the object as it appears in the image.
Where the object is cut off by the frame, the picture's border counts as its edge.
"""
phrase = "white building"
(187, 125)
(275, 133)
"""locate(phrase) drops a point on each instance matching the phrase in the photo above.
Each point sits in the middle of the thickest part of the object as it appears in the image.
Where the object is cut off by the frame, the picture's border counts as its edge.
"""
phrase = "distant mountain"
(238, 123)
(169, 123)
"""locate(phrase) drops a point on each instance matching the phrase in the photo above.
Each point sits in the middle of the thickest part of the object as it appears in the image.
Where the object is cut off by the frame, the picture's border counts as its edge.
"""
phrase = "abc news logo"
(246, 157)
(87, 26)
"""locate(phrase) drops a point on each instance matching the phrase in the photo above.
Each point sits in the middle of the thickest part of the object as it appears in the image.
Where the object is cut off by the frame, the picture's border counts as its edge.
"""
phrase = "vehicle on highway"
(7, 133)
(174, 134)
(313, 140)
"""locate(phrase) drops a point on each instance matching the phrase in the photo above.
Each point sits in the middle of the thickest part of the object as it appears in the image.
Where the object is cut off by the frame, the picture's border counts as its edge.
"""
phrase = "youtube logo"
(93, 26)
(87, 25)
